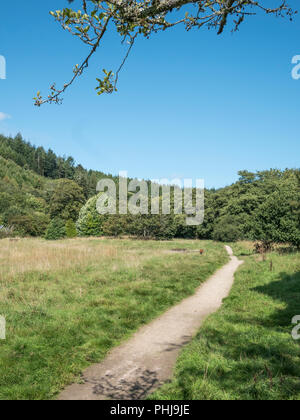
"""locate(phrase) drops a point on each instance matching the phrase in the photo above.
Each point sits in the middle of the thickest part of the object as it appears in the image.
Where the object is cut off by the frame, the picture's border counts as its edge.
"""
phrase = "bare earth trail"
(143, 363)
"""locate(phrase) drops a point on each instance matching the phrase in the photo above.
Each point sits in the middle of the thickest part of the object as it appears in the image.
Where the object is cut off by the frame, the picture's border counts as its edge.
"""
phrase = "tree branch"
(132, 18)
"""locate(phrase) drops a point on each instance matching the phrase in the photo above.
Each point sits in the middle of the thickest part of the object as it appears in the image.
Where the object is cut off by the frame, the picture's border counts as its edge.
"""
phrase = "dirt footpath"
(143, 363)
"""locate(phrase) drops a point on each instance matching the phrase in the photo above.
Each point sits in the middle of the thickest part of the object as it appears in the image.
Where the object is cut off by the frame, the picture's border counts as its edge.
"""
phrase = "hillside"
(48, 164)
(37, 186)
(22, 199)
(29, 177)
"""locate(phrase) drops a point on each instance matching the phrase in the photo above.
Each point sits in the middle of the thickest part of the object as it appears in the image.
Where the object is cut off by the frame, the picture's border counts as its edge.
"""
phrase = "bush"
(90, 222)
(227, 230)
(56, 230)
(114, 225)
(151, 226)
(71, 231)
(34, 224)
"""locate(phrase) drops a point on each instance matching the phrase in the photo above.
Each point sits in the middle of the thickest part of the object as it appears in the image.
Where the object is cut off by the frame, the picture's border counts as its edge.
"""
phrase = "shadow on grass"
(241, 354)
(286, 290)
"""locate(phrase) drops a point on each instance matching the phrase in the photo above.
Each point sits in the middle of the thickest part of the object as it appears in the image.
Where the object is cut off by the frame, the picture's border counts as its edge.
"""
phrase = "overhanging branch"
(132, 18)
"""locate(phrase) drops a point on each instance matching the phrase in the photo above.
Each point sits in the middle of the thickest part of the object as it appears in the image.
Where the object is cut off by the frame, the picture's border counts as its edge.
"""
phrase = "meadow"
(67, 303)
(245, 351)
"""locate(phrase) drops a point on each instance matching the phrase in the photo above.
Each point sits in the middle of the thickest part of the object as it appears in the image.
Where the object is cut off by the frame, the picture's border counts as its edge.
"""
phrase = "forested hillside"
(48, 164)
(41, 192)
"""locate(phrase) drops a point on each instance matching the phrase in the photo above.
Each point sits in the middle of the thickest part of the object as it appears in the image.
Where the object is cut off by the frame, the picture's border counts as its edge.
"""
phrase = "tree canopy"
(135, 18)
(66, 200)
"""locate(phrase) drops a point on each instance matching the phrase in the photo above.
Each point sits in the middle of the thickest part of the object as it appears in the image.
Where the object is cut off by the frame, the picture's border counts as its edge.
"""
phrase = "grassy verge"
(245, 350)
(68, 303)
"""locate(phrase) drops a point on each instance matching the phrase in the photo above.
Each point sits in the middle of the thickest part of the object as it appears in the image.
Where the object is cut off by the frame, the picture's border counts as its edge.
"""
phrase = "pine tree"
(56, 230)
(71, 231)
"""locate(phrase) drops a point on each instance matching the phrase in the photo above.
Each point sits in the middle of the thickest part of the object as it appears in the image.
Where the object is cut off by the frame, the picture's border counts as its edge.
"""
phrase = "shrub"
(90, 222)
(151, 226)
(71, 231)
(227, 230)
(114, 225)
(34, 224)
(56, 230)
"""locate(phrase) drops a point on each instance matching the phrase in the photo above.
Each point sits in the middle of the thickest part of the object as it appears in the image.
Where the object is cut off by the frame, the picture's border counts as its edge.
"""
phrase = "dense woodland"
(42, 194)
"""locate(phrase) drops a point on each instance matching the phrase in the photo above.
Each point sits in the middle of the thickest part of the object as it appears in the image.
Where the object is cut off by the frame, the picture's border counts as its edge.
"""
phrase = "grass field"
(67, 303)
(245, 350)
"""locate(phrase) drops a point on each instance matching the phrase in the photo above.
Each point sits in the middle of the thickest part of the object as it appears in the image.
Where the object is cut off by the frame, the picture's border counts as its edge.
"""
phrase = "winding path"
(143, 363)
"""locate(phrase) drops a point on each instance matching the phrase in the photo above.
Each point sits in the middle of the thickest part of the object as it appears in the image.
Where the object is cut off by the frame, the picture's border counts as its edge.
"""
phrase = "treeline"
(28, 201)
(47, 164)
(44, 194)
(261, 206)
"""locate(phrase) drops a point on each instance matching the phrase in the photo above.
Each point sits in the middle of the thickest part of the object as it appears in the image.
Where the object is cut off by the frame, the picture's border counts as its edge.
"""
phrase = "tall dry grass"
(37, 255)
(27, 255)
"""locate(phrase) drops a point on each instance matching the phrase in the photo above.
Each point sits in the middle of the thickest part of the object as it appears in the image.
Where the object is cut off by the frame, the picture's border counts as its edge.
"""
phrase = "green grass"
(68, 303)
(245, 351)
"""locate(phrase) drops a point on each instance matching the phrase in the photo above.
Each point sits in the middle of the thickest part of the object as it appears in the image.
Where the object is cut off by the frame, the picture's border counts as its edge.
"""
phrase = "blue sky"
(193, 105)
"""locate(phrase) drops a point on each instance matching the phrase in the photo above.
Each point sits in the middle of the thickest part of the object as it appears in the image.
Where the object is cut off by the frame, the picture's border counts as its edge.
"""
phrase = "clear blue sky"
(191, 104)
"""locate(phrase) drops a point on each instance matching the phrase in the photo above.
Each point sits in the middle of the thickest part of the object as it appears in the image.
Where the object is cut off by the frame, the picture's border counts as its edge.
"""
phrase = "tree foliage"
(56, 230)
(47, 164)
(66, 200)
(275, 221)
(71, 231)
(228, 229)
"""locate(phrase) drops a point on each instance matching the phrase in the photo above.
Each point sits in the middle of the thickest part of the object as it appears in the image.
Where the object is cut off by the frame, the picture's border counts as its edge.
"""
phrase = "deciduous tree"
(67, 200)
